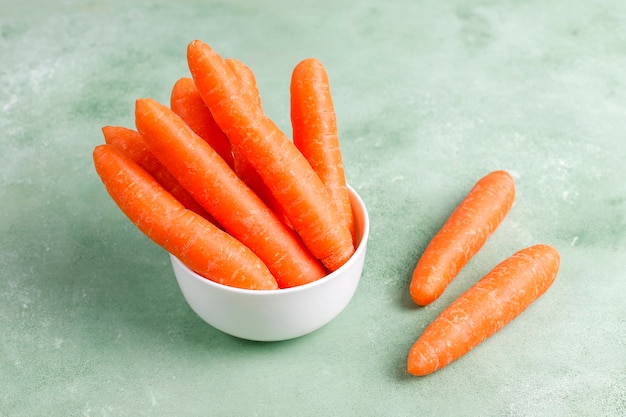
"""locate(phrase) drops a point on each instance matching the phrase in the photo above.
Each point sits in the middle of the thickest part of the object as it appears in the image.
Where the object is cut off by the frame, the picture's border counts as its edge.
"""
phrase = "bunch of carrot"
(215, 182)
(495, 300)
(212, 180)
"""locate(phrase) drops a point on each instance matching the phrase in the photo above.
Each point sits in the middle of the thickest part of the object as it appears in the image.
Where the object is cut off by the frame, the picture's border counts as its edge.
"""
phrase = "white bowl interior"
(277, 314)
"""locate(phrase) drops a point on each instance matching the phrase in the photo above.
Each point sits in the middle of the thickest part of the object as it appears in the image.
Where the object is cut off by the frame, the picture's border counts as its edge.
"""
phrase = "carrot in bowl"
(214, 185)
(246, 78)
(187, 103)
(242, 167)
(194, 240)
(462, 235)
(300, 192)
(315, 134)
(131, 144)
(494, 301)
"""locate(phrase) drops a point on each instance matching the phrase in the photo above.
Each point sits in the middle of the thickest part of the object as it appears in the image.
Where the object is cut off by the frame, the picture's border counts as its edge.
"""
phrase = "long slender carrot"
(485, 308)
(463, 234)
(298, 189)
(217, 188)
(131, 144)
(203, 247)
(315, 134)
(241, 166)
(187, 103)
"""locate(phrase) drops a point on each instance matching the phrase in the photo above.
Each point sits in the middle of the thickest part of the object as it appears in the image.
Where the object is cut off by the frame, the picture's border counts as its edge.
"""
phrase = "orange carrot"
(462, 235)
(187, 103)
(314, 125)
(217, 188)
(242, 167)
(200, 245)
(131, 144)
(485, 308)
(247, 79)
(298, 189)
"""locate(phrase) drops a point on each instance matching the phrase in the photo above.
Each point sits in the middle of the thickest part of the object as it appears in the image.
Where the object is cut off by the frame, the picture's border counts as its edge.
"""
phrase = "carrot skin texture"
(315, 134)
(246, 78)
(187, 103)
(298, 189)
(485, 308)
(461, 237)
(217, 188)
(131, 144)
(203, 247)
(241, 166)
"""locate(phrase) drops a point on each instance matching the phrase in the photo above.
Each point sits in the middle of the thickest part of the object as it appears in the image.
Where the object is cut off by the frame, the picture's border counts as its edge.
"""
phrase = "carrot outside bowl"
(282, 314)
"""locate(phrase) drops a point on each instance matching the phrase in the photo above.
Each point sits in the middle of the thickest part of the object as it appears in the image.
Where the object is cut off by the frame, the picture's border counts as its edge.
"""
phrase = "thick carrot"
(217, 188)
(462, 235)
(298, 189)
(203, 247)
(314, 125)
(242, 167)
(131, 144)
(187, 103)
(485, 308)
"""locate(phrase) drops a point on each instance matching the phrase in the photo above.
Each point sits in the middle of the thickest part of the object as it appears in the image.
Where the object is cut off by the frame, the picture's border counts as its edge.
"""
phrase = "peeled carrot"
(217, 188)
(200, 245)
(242, 167)
(485, 308)
(187, 103)
(315, 134)
(298, 189)
(247, 79)
(462, 235)
(131, 144)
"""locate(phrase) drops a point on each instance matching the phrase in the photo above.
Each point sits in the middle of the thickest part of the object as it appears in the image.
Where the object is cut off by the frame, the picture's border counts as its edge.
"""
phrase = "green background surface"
(430, 96)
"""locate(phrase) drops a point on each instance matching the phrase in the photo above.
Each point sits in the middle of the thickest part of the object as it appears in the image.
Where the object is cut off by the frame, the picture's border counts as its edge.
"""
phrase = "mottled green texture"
(429, 98)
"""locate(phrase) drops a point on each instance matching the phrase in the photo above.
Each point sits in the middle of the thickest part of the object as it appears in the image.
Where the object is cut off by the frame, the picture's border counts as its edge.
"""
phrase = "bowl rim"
(361, 247)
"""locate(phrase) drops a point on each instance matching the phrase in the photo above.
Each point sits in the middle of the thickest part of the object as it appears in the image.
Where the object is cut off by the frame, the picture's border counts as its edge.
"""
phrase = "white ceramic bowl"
(278, 314)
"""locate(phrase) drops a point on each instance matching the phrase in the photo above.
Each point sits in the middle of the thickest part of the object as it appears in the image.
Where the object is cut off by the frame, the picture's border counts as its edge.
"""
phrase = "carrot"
(200, 245)
(462, 235)
(217, 188)
(246, 78)
(298, 189)
(315, 134)
(131, 144)
(485, 308)
(187, 103)
(241, 166)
